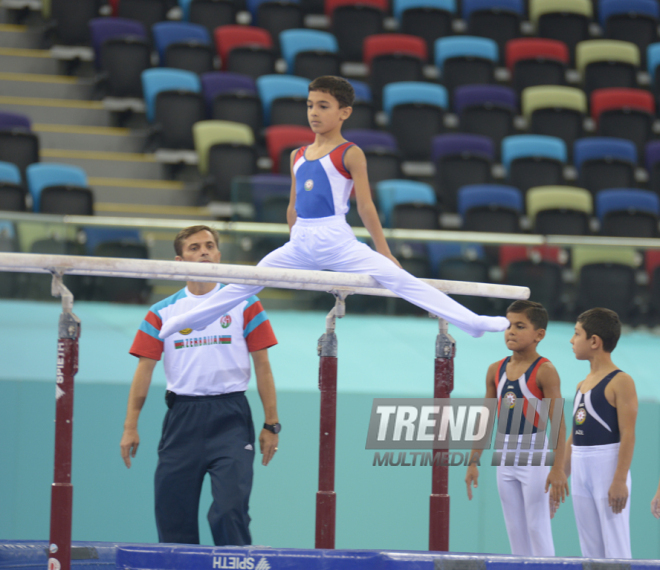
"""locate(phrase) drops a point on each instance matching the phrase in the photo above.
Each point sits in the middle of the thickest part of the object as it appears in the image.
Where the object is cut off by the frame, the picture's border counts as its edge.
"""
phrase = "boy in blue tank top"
(522, 488)
(602, 440)
(323, 176)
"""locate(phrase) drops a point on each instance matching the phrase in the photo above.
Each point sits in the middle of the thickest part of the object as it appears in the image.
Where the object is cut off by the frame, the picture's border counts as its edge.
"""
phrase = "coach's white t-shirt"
(211, 361)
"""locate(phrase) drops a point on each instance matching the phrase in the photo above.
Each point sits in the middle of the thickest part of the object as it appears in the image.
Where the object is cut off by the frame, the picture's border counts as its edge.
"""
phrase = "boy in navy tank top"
(602, 440)
(523, 488)
(323, 176)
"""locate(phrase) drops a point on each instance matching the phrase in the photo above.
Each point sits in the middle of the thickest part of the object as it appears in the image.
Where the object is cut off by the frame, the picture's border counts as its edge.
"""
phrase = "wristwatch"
(275, 428)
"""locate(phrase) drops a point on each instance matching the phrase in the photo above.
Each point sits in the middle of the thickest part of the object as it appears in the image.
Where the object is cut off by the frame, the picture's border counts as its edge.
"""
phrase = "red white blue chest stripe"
(323, 186)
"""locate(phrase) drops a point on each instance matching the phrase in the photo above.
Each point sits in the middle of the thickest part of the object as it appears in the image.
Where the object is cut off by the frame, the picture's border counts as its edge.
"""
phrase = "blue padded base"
(29, 555)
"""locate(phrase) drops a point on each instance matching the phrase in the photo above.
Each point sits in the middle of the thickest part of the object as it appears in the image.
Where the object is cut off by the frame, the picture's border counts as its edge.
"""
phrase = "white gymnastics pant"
(526, 506)
(329, 243)
(602, 533)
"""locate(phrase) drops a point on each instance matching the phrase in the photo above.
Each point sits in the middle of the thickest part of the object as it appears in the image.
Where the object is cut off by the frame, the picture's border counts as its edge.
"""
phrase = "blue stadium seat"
(9, 172)
(253, 6)
(271, 87)
(103, 29)
(469, 6)
(523, 146)
(464, 46)
(475, 195)
(44, 174)
(413, 92)
(393, 192)
(362, 90)
(400, 6)
(96, 235)
(603, 148)
(168, 33)
(292, 42)
(621, 199)
(164, 79)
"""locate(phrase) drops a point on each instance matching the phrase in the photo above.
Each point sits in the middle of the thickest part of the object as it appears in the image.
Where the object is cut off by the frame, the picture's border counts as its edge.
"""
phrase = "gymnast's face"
(324, 113)
(200, 248)
(582, 346)
(521, 333)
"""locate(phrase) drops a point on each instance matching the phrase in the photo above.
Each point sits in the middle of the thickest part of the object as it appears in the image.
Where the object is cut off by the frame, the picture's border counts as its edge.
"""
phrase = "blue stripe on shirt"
(151, 330)
(255, 322)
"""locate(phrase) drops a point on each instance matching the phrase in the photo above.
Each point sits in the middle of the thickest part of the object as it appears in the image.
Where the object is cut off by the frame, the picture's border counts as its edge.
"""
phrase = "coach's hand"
(129, 445)
(617, 496)
(472, 478)
(557, 483)
(268, 444)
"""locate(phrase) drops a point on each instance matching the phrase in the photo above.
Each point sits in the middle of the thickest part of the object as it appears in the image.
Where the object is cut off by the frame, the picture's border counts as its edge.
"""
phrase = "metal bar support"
(445, 350)
(326, 499)
(61, 504)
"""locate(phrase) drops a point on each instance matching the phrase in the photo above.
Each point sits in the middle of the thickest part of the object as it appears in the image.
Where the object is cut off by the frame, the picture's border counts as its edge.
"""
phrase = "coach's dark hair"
(603, 323)
(185, 233)
(338, 87)
(534, 311)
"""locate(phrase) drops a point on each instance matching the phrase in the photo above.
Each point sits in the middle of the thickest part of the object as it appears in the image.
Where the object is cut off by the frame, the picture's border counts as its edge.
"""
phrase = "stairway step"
(45, 85)
(107, 164)
(21, 60)
(143, 192)
(152, 211)
(58, 111)
(16, 36)
(72, 137)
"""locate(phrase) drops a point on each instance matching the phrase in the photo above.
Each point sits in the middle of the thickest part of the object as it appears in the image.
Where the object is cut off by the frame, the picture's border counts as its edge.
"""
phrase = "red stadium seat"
(531, 48)
(510, 253)
(611, 99)
(281, 137)
(229, 37)
(383, 44)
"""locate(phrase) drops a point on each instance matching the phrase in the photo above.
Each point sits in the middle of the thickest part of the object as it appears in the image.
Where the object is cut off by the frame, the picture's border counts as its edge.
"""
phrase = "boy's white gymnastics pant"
(602, 533)
(329, 243)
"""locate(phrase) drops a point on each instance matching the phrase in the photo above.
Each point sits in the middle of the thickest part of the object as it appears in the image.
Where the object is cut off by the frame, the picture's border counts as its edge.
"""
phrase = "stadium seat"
(652, 163)
(560, 210)
(563, 20)
(391, 193)
(510, 253)
(427, 19)
(66, 200)
(354, 20)
(245, 49)
(624, 113)
(486, 110)
(536, 61)
(103, 29)
(634, 21)
(534, 160)
(415, 112)
(607, 63)
(232, 97)
(364, 113)
(463, 60)
(310, 53)
(605, 162)
(474, 270)
(94, 235)
(157, 80)
(460, 159)
(498, 20)
(276, 16)
(652, 63)
(43, 175)
(10, 121)
(284, 99)
(8, 244)
(393, 57)
(147, 12)
(544, 280)
(368, 139)
(209, 13)
(20, 147)
(416, 216)
(490, 208)
(281, 140)
(619, 295)
(183, 45)
(225, 150)
(70, 19)
(628, 212)
(10, 173)
(381, 151)
(121, 289)
(12, 195)
(555, 111)
(121, 61)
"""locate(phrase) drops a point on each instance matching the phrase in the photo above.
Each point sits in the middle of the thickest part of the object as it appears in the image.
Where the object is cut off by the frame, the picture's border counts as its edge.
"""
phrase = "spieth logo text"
(463, 423)
(240, 563)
